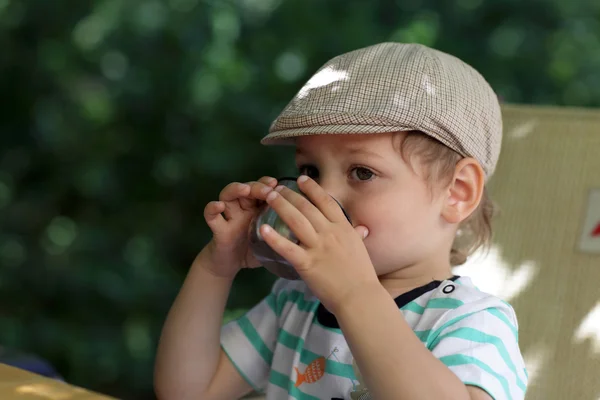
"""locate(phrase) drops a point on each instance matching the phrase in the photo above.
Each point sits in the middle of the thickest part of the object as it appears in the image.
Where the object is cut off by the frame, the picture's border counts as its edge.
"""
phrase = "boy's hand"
(331, 258)
(229, 219)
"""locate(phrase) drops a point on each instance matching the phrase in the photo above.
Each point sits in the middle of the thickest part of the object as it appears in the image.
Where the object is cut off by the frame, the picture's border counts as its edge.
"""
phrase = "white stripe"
(411, 318)
(322, 341)
(284, 359)
(295, 320)
(244, 355)
(274, 392)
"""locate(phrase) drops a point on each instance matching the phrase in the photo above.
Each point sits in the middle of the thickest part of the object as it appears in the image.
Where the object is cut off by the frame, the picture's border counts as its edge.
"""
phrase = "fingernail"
(266, 190)
(365, 233)
(271, 196)
(279, 188)
(302, 178)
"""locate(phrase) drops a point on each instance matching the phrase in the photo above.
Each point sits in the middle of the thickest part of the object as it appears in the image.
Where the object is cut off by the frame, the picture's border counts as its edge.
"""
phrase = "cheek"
(389, 214)
(396, 226)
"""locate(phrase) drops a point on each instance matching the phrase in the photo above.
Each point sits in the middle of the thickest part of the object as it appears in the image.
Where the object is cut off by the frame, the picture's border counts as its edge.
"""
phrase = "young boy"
(405, 138)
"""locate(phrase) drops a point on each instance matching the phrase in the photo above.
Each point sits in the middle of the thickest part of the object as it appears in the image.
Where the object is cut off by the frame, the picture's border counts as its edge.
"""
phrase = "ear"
(464, 192)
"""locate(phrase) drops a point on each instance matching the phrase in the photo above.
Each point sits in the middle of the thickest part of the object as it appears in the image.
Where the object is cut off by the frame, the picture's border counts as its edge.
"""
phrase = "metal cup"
(269, 258)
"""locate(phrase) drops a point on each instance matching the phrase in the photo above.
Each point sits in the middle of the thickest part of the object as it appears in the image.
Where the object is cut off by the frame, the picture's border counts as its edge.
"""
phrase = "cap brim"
(287, 136)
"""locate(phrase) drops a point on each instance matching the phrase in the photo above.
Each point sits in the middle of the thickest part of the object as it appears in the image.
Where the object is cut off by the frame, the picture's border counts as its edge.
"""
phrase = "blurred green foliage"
(121, 119)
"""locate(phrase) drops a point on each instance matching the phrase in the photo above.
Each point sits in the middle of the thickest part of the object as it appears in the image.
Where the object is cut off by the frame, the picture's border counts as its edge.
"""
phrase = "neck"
(410, 277)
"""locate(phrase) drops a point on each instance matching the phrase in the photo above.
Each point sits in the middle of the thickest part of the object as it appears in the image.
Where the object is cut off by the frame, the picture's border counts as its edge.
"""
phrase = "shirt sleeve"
(250, 340)
(481, 347)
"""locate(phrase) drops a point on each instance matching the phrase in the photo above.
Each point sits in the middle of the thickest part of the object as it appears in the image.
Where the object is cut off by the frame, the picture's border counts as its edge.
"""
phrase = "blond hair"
(440, 161)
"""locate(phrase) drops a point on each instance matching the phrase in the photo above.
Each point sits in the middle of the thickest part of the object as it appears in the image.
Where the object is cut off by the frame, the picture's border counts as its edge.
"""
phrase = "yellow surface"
(17, 384)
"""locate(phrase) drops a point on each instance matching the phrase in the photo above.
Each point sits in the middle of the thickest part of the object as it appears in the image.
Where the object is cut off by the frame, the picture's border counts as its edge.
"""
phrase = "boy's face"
(381, 191)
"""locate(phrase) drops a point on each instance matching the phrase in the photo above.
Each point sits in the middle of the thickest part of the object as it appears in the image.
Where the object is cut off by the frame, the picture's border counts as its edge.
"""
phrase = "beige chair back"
(549, 170)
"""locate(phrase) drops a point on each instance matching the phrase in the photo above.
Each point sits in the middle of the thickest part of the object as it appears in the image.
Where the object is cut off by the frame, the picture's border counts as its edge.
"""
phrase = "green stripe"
(414, 307)
(423, 335)
(290, 341)
(284, 382)
(444, 303)
(254, 338)
(332, 366)
(502, 317)
(458, 359)
(296, 297)
(433, 303)
(475, 335)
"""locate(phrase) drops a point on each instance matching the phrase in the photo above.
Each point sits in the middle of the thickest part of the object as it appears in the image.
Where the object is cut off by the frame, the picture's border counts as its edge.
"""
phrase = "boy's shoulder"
(463, 288)
(467, 293)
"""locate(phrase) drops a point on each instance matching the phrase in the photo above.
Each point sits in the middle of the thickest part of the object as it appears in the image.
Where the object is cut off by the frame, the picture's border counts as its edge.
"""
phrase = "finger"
(269, 181)
(362, 230)
(293, 218)
(321, 199)
(261, 188)
(293, 253)
(258, 191)
(213, 216)
(229, 195)
(308, 209)
(234, 191)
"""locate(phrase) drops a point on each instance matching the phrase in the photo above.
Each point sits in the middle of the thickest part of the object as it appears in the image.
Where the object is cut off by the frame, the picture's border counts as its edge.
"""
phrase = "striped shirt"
(290, 347)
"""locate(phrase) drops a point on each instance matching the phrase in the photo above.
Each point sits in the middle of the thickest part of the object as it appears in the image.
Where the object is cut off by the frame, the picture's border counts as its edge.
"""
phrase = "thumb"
(362, 231)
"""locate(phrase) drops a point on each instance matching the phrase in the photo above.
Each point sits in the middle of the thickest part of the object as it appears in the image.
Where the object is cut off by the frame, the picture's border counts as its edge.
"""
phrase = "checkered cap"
(391, 87)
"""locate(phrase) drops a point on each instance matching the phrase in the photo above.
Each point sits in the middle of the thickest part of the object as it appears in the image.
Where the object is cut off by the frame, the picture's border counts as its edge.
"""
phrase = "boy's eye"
(309, 170)
(362, 174)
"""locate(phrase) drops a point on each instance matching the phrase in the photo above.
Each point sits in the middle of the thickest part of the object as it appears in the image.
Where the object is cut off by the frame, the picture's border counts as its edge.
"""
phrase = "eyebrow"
(351, 151)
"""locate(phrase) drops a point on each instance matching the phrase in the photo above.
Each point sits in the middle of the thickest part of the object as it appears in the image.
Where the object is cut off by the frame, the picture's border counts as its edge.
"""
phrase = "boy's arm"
(394, 362)
(190, 363)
